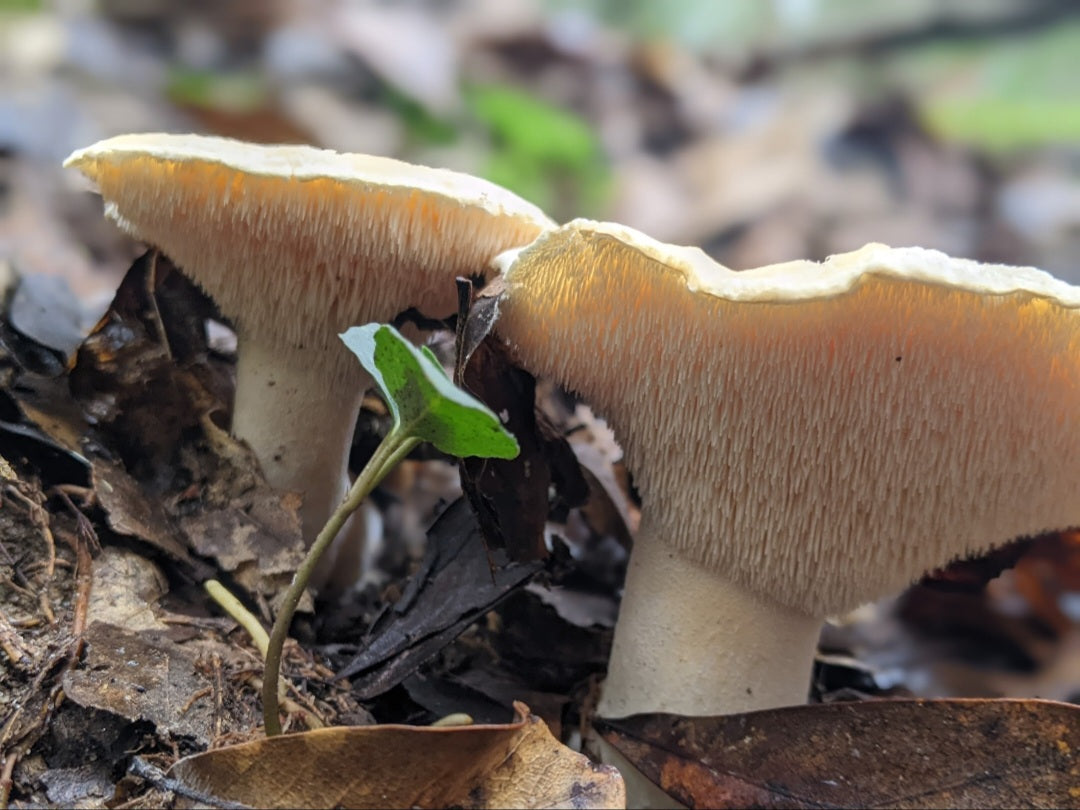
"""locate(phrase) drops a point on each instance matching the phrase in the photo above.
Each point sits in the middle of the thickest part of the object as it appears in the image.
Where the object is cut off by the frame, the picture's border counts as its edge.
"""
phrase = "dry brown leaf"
(143, 676)
(132, 512)
(518, 764)
(876, 753)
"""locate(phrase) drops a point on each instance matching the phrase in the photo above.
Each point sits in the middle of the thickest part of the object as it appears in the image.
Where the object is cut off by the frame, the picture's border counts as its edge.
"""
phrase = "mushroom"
(805, 437)
(296, 244)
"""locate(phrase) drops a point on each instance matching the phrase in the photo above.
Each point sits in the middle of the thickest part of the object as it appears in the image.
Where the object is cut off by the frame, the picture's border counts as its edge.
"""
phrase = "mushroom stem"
(299, 422)
(694, 643)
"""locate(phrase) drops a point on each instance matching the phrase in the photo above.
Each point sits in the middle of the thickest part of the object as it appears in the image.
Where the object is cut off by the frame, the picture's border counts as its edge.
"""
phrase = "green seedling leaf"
(424, 402)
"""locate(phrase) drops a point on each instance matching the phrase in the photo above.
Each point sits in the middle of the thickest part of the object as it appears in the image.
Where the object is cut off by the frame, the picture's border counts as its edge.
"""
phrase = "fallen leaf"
(141, 374)
(516, 764)
(451, 590)
(46, 310)
(143, 676)
(486, 695)
(255, 536)
(131, 511)
(512, 497)
(126, 590)
(891, 753)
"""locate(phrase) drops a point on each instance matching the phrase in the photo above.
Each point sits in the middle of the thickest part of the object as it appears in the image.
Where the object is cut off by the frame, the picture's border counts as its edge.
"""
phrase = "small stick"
(11, 645)
(40, 518)
(5, 778)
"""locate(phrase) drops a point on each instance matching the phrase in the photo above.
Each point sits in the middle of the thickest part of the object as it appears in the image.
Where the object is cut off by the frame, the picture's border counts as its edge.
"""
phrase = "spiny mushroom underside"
(848, 443)
(347, 250)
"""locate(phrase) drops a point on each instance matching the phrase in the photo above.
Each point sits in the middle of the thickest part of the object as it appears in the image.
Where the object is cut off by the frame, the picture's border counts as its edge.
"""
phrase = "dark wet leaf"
(442, 696)
(141, 374)
(45, 310)
(476, 317)
(46, 426)
(512, 498)
(451, 590)
(57, 463)
(878, 753)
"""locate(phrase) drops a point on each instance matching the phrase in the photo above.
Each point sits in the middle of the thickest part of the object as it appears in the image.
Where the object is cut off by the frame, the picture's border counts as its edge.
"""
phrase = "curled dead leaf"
(515, 764)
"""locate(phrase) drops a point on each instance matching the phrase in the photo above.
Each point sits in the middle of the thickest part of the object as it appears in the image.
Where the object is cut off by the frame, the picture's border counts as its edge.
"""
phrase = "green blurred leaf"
(238, 92)
(998, 94)
(1002, 124)
(532, 128)
(423, 400)
(20, 6)
(421, 125)
(546, 154)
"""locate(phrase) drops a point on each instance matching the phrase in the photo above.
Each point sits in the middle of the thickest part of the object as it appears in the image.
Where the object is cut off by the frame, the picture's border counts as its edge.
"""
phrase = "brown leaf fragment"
(142, 676)
(256, 537)
(131, 511)
(476, 317)
(42, 423)
(517, 764)
(141, 375)
(876, 753)
(511, 498)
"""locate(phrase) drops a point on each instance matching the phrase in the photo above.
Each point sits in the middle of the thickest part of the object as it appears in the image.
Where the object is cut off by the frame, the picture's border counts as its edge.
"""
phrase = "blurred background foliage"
(762, 130)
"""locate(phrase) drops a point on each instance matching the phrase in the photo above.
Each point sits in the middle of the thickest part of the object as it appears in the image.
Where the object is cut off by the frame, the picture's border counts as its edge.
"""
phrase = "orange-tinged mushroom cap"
(297, 243)
(819, 433)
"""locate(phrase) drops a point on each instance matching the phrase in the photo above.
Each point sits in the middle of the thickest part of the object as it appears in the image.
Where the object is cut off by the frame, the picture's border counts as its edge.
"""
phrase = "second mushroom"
(805, 437)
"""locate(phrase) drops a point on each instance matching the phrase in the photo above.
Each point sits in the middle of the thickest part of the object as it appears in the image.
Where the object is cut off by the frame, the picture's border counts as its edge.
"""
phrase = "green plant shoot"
(426, 407)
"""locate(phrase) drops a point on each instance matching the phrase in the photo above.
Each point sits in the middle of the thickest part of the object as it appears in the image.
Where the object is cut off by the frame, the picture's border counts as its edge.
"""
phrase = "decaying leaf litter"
(524, 649)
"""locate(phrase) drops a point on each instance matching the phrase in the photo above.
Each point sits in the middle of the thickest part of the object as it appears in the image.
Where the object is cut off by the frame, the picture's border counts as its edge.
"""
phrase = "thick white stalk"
(299, 420)
(690, 642)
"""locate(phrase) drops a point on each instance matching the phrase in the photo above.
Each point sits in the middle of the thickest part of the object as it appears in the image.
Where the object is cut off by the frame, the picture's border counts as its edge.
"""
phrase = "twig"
(151, 296)
(144, 770)
(40, 518)
(5, 778)
(219, 695)
(46, 606)
(11, 645)
(84, 583)
(206, 691)
(84, 528)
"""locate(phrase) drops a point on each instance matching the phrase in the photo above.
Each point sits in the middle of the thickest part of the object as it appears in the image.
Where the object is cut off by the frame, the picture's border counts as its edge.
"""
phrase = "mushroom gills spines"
(207, 220)
(819, 445)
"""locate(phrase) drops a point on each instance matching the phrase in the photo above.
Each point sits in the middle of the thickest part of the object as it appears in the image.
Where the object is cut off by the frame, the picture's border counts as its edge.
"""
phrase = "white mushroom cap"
(820, 434)
(297, 243)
